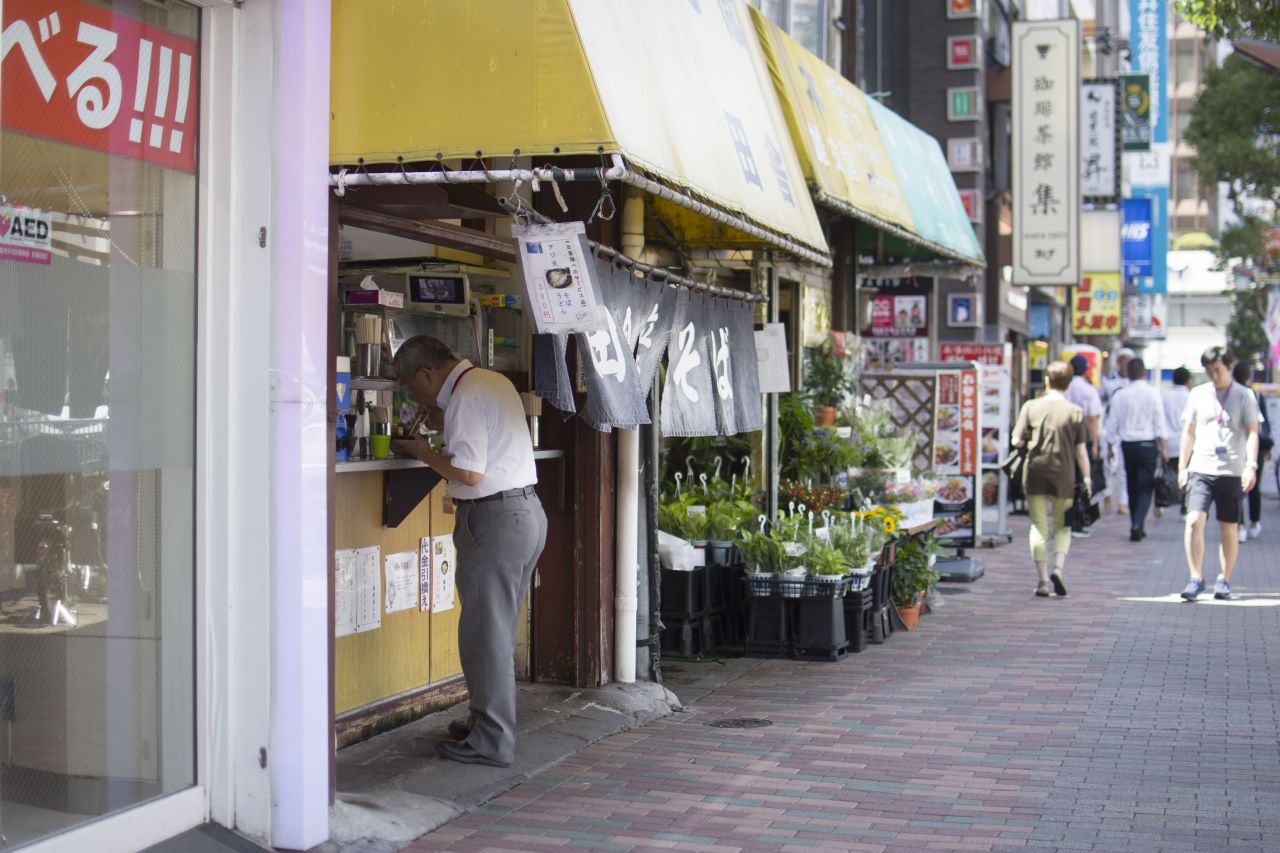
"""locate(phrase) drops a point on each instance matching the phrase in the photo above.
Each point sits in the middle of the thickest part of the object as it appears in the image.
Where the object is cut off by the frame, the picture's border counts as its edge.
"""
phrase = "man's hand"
(1182, 476)
(1250, 479)
(411, 447)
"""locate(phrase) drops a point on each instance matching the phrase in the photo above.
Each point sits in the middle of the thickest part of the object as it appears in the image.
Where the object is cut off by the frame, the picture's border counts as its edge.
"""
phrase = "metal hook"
(679, 478)
(719, 462)
(702, 478)
(688, 466)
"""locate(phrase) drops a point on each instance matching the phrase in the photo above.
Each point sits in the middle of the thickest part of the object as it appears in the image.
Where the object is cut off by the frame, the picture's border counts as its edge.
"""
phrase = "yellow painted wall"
(412, 649)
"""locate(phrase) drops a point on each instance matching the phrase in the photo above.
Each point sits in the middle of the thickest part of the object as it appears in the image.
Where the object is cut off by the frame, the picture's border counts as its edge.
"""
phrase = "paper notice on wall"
(444, 561)
(424, 575)
(368, 589)
(344, 593)
(555, 262)
(771, 355)
(401, 572)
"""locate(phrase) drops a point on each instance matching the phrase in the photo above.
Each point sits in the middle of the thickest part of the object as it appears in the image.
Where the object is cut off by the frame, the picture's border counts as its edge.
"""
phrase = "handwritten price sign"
(81, 74)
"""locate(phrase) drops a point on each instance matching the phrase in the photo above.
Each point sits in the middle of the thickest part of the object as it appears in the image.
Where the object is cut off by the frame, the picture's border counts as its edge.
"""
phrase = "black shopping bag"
(1167, 491)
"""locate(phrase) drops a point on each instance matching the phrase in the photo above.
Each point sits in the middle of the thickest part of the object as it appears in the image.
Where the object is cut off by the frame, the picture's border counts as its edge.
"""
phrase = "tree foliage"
(1233, 19)
(1235, 128)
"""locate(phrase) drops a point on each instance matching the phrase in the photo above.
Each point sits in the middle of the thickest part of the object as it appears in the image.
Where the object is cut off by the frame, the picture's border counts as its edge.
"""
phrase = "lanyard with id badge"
(1224, 425)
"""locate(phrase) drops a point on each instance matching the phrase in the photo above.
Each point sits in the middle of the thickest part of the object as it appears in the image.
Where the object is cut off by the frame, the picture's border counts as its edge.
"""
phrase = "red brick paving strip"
(1004, 723)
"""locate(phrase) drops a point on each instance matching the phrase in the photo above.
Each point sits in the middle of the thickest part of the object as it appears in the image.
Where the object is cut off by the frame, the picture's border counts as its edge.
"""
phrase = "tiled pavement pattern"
(1114, 719)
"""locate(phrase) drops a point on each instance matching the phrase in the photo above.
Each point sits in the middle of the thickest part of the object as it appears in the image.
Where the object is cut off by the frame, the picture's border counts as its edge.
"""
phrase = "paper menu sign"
(424, 575)
(771, 355)
(401, 571)
(357, 591)
(444, 562)
(555, 263)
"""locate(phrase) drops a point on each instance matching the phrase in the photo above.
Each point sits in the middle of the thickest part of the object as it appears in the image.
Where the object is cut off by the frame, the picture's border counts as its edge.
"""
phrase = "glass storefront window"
(98, 127)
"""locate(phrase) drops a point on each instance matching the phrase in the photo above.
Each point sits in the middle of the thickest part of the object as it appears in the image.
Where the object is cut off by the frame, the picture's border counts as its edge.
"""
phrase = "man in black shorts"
(1217, 464)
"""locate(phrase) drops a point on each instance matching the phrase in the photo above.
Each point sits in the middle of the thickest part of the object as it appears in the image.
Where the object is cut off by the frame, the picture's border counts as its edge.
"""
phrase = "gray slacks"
(499, 542)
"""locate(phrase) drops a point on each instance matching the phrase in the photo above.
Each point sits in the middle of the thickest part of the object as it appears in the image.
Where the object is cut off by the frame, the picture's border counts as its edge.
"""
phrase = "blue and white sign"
(1135, 237)
(1144, 239)
(1149, 45)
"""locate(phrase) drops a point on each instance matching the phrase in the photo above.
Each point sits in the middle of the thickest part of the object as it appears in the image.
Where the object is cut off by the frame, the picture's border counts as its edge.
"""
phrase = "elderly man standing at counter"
(500, 529)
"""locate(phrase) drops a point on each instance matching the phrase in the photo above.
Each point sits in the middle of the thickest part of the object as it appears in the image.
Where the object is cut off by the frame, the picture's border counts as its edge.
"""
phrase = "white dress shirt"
(1083, 394)
(1175, 403)
(1136, 414)
(485, 432)
(1111, 385)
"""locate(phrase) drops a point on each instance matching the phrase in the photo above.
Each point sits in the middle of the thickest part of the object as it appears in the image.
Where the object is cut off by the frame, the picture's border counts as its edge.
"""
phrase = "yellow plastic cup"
(381, 445)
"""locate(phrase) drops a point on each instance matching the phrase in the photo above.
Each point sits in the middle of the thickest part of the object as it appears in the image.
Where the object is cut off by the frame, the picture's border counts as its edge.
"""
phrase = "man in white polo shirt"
(1136, 423)
(1218, 463)
(500, 529)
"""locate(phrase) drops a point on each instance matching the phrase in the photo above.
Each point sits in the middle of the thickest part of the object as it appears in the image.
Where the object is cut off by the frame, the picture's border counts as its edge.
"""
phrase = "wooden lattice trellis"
(911, 397)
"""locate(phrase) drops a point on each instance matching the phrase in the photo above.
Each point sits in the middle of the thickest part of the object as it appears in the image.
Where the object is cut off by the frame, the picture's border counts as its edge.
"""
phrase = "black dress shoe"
(1142, 531)
(458, 730)
(1135, 535)
(466, 754)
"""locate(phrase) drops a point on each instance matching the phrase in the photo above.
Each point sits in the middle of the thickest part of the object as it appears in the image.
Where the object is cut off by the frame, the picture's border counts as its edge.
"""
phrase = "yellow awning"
(834, 132)
(860, 158)
(680, 90)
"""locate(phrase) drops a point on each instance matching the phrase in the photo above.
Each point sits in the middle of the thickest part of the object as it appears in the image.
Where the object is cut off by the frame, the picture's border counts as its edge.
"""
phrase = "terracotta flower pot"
(825, 416)
(910, 615)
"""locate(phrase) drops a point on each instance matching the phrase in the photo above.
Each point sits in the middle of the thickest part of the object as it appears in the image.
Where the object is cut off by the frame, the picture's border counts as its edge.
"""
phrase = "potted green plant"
(763, 556)
(827, 568)
(912, 575)
(827, 381)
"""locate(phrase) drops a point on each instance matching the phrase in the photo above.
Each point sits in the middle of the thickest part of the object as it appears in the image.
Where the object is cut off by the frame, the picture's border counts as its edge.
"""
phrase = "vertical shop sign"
(1136, 238)
(964, 154)
(955, 453)
(90, 76)
(962, 52)
(1135, 112)
(964, 103)
(1099, 144)
(972, 201)
(1046, 152)
(1095, 305)
(1148, 54)
(555, 263)
(1145, 316)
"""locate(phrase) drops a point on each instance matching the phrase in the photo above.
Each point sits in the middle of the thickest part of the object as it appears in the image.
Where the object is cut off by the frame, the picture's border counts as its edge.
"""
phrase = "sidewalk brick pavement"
(1115, 719)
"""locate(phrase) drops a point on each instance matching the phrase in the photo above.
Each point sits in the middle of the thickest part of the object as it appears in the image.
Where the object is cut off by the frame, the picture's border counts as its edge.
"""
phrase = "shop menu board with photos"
(995, 387)
(956, 462)
(896, 322)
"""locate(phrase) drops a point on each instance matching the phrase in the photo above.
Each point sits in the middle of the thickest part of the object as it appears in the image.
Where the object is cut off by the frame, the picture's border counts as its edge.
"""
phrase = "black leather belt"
(509, 493)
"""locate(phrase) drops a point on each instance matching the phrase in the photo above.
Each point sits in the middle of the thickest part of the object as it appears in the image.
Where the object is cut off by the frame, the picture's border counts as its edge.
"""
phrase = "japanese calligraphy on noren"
(1046, 152)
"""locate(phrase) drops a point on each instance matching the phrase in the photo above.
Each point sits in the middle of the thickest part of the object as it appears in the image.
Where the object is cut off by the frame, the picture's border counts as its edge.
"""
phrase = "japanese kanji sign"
(79, 73)
(1046, 152)
(1099, 152)
(1135, 112)
(1096, 304)
(556, 265)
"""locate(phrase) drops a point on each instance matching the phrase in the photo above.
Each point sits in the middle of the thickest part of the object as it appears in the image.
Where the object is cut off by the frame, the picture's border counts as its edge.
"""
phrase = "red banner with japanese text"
(981, 353)
(79, 73)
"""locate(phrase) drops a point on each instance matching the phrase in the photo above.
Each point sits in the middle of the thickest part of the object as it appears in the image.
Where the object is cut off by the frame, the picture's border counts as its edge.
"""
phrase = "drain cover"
(740, 723)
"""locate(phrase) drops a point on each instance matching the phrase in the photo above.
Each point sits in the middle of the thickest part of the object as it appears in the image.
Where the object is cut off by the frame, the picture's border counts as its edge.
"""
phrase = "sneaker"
(1159, 512)
(1193, 590)
(1242, 534)
(1081, 534)
(1255, 530)
(1124, 509)
(1221, 589)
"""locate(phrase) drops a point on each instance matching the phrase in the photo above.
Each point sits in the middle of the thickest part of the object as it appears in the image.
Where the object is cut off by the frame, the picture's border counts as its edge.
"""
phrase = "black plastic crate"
(682, 593)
